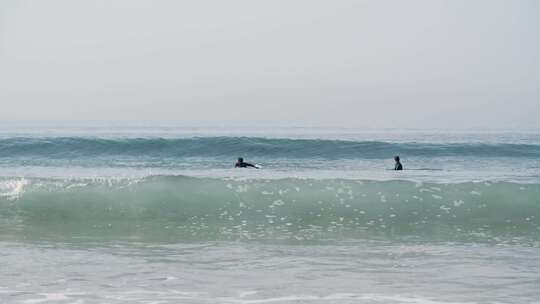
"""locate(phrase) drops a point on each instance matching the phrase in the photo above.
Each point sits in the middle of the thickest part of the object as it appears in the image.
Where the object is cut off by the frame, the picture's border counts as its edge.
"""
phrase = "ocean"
(146, 212)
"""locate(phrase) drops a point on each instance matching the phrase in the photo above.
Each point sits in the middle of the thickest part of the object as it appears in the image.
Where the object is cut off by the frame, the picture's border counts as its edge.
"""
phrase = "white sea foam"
(13, 189)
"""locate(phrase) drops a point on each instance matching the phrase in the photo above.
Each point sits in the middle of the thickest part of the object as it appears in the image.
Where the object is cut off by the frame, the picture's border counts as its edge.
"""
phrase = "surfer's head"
(396, 158)
(240, 160)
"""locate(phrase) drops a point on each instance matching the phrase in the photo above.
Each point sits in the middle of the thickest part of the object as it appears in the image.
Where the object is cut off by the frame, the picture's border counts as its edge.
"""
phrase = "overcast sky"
(392, 64)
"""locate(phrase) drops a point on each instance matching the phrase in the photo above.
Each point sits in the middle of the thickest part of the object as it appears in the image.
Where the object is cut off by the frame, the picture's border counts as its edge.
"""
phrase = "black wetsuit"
(398, 166)
(244, 165)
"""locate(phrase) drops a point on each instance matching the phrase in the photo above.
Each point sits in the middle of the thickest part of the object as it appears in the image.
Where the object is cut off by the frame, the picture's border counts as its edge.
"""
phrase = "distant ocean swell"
(77, 147)
(177, 208)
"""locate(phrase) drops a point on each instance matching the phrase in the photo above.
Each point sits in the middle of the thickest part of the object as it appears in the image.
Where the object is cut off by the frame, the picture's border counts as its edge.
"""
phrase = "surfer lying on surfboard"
(241, 164)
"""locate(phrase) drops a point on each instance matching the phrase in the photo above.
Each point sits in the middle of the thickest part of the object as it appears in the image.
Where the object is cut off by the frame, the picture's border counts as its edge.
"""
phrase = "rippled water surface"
(146, 213)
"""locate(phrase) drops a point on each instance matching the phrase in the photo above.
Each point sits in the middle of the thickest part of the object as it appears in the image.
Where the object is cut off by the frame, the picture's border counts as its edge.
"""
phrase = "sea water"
(155, 213)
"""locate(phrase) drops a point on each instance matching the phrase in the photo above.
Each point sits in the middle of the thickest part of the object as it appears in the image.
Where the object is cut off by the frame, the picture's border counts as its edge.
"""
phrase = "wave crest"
(76, 147)
(181, 208)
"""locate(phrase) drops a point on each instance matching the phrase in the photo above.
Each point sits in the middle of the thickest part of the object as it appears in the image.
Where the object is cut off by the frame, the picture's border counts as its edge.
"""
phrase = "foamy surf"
(12, 189)
(362, 271)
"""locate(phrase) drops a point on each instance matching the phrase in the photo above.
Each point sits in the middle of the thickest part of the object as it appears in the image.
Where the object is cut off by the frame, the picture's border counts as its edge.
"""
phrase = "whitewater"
(155, 213)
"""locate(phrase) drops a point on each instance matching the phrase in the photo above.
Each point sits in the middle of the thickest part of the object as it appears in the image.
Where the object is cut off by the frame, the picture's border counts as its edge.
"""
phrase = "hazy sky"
(419, 64)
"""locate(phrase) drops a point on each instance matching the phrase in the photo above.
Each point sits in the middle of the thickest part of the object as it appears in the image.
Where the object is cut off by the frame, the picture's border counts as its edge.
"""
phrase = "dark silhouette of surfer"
(398, 166)
(241, 164)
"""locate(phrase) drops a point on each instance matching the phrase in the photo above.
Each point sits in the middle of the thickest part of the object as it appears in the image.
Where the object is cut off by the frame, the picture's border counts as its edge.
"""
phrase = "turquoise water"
(147, 213)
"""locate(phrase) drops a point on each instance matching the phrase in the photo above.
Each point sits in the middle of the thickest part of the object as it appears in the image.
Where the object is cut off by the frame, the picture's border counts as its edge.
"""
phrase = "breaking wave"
(76, 147)
(179, 208)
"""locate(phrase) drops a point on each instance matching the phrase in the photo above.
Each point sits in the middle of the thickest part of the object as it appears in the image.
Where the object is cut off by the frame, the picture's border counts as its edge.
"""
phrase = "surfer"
(398, 166)
(241, 164)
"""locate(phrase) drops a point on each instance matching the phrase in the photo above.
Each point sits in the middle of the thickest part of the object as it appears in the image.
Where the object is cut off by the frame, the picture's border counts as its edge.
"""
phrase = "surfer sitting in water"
(398, 166)
(241, 164)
